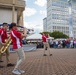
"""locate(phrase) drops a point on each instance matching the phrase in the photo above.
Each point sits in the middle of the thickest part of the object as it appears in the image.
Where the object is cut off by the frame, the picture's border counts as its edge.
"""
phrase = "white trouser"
(46, 44)
(21, 57)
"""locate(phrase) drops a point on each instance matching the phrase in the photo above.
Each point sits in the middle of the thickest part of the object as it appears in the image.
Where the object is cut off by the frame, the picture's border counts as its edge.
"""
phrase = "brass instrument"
(4, 48)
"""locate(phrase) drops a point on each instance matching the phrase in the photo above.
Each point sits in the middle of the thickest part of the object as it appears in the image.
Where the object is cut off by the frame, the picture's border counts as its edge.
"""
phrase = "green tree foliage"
(56, 34)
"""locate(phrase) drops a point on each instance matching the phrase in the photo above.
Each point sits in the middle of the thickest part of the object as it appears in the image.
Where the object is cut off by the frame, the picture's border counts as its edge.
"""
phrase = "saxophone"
(4, 48)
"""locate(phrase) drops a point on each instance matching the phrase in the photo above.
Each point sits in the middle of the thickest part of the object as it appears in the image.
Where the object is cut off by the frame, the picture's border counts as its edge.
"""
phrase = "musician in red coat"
(46, 44)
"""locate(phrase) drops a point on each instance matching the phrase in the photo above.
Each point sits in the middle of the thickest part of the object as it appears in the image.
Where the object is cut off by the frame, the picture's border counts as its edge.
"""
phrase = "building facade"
(58, 16)
(45, 24)
(12, 11)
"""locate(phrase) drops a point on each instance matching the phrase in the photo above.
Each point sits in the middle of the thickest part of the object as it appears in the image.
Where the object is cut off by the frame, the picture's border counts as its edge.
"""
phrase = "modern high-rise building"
(45, 24)
(12, 11)
(58, 18)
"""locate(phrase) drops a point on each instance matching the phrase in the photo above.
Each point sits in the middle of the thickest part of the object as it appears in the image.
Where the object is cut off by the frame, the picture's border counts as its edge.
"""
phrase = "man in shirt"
(3, 38)
(0, 47)
(46, 44)
(16, 37)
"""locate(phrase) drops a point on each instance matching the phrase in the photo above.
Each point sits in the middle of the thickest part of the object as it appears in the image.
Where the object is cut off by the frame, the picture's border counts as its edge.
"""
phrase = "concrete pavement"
(63, 62)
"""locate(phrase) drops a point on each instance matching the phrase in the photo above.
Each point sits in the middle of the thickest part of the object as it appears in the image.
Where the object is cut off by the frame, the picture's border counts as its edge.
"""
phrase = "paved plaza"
(62, 62)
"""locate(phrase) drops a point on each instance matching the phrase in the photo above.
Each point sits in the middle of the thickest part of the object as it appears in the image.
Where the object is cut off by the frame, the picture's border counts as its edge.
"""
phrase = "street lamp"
(70, 19)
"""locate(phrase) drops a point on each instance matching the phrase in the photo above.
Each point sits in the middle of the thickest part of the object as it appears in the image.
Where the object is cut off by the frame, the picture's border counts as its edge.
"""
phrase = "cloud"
(43, 12)
(29, 25)
(29, 12)
(37, 27)
(40, 2)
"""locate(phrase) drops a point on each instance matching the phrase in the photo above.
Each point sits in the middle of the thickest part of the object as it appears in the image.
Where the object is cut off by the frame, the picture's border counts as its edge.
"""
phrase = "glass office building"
(58, 18)
(45, 24)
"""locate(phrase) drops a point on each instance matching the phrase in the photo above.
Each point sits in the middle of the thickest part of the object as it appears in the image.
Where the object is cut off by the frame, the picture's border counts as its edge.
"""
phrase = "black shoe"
(1, 61)
(44, 55)
(9, 65)
(50, 54)
(1, 66)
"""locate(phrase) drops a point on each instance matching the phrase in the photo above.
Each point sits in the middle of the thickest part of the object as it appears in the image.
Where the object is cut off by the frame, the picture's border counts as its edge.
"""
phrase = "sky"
(35, 11)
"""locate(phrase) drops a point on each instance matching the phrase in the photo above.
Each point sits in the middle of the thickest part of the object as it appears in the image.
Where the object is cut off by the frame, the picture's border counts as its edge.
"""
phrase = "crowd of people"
(57, 43)
(67, 43)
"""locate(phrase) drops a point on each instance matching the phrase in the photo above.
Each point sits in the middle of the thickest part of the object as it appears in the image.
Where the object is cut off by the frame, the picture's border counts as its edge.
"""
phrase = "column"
(21, 20)
(70, 20)
(13, 11)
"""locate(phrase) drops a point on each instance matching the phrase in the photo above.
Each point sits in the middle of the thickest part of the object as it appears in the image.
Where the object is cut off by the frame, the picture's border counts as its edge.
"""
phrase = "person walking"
(16, 37)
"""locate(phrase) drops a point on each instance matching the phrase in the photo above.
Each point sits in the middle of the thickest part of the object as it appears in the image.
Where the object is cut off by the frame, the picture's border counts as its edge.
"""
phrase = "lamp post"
(70, 19)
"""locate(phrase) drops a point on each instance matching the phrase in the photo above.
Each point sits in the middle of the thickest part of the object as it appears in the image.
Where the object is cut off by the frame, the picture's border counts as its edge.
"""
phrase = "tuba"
(8, 42)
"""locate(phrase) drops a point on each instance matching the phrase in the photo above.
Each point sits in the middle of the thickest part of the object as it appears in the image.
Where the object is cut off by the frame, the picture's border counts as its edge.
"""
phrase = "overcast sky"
(34, 13)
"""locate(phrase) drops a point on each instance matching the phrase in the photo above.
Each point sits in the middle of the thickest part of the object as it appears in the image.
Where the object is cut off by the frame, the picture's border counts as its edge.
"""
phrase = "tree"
(57, 34)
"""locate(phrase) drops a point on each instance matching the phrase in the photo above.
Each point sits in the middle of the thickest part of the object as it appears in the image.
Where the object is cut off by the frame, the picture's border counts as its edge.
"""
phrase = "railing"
(18, 3)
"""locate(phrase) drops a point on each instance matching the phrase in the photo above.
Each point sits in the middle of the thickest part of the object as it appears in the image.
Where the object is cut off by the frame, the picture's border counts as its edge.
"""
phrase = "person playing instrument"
(0, 47)
(3, 37)
(46, 44)
(16, 37)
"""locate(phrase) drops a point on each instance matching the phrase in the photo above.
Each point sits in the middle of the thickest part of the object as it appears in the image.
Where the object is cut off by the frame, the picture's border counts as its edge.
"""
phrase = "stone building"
(12, 11)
